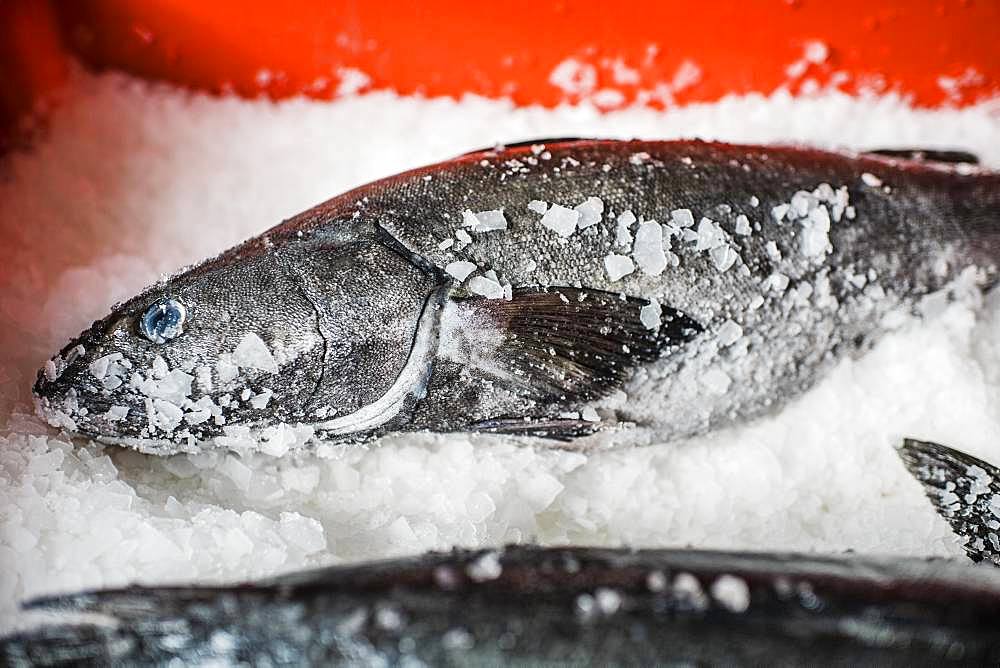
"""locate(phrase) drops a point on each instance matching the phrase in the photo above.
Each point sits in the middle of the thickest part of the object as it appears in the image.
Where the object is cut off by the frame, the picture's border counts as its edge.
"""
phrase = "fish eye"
(163, 320)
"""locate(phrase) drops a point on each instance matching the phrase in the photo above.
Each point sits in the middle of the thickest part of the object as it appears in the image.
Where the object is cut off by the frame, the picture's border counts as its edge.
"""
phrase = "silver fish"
(529, 606)
(552, 290)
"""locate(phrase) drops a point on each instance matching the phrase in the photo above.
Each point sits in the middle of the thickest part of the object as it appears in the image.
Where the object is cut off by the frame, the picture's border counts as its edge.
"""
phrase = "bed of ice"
(133, 180)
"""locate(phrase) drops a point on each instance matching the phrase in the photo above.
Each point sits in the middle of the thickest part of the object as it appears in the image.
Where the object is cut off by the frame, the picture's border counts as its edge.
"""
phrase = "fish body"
(536, 606)
(552, 290)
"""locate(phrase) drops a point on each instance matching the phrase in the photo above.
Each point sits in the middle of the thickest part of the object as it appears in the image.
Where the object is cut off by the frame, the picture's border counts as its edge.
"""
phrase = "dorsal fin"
(527, 142)
(928, 155)
(578, 344)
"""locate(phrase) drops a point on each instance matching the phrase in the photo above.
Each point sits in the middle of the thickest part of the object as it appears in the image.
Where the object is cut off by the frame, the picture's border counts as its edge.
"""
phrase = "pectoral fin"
(578, 344)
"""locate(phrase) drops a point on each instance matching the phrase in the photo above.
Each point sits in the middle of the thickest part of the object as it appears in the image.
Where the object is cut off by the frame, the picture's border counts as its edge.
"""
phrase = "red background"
(504, 49)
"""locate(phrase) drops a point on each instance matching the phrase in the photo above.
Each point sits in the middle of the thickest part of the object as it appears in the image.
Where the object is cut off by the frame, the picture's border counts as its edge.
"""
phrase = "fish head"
(299, 331)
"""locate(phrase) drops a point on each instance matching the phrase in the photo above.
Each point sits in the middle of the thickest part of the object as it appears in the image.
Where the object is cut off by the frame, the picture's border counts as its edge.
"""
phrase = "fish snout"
(76, 389)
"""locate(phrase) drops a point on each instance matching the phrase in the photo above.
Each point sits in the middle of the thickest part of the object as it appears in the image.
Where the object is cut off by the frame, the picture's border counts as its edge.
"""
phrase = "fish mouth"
(68, 398)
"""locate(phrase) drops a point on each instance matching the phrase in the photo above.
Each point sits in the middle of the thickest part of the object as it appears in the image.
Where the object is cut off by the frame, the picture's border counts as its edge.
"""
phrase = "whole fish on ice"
(551, 290)
(529, 606)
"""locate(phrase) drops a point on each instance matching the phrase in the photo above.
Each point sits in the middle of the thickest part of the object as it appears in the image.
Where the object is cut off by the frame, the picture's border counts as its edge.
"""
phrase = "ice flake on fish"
(561, 220)
(484, 221)
(253, 353)
(618, 266)
(538, 206)
(487, 287)
(650, 314)
(590, 211)
(623, 233)
(461, 269)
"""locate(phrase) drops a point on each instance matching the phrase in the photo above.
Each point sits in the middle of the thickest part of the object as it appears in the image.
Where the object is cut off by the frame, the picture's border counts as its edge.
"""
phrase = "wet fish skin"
(546, 606)
(376, 337)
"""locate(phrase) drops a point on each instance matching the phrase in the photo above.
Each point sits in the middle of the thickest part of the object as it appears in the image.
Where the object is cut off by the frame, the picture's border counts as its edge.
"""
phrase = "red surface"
(496, 48)
(511, 48)
(33, 63)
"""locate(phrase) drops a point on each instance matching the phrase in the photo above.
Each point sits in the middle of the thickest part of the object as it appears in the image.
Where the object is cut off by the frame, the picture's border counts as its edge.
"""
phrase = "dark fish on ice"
(964, 490)
(534, 606)
(552, 290)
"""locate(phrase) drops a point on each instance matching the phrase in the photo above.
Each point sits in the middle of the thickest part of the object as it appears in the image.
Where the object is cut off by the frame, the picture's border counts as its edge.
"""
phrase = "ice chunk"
(649, 315)
(165, 415)
(608, 600)
(486, 567)
(539, 490)
(538, 206)
(484, 221)
(729, 333)
(590, 211)
(278, 439)
(446, 244)
(687, 587)
(253, 353)
(201, 411)
(236, 471)
(463, 237)
(623, 236)
(816, 51)
(779, 212)
(710, 235)
(561, 220)
(160, 367)
(618, 266)
(742, 225)
(261, 399)
(461, 269)
(116, 413)
(648, 250)
(776, 282)
(487, 287)
(723, 257)
(99, 367)
(731, 592)
(815, 229)
(716, 381)
(226, 368)
(682, 217)
(174, 386)
(305, 533)
(871, 180)
(802, 203)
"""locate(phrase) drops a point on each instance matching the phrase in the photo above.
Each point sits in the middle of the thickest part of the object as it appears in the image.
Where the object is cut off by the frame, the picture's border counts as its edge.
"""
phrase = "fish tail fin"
(964, 490)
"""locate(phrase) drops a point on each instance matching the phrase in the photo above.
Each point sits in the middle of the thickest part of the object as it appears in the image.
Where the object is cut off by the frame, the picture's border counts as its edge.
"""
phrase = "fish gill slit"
(297, 277)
